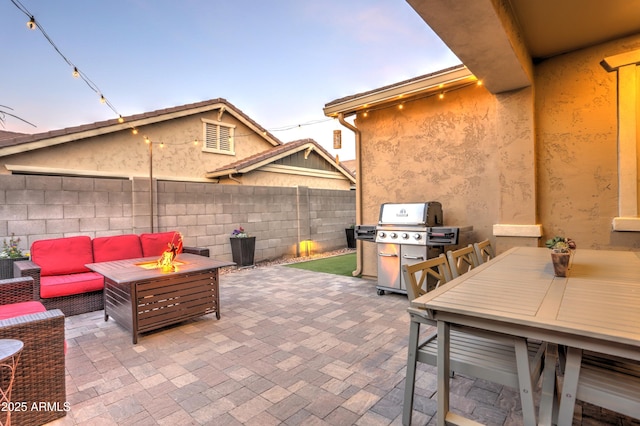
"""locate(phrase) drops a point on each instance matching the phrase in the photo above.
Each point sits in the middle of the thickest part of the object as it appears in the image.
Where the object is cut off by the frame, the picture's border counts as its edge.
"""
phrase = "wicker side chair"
(40, 375)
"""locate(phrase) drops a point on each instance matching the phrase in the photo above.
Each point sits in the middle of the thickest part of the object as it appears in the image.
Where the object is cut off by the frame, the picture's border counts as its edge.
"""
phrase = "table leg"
(569, 386)
(410, 379)
(444, 362)
(524, 380)
(548, 394)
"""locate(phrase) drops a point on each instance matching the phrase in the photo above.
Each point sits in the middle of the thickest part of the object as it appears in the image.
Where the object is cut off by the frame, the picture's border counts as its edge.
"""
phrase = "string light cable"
(4, 113)
(77, 73)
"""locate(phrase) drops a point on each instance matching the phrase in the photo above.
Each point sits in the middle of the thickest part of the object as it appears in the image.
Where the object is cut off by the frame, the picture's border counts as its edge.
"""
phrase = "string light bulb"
(146, 140)
(120, 119)
(441, 96)
(401, 106)
(76, 73)
(195, 142)
(102, 99)
(479, 83)
(32, 23)
(134, 131)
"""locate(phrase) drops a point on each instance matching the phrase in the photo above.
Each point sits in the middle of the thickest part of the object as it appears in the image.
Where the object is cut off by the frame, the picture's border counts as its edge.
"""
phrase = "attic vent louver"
(218, 138)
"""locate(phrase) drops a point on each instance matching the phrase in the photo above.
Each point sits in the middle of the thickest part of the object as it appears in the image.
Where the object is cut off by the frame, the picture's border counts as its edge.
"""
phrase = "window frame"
(206, 145)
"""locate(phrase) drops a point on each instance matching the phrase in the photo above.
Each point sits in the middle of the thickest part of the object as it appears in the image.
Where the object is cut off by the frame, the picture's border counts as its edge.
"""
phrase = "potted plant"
(242, 247)
(10, 253)
(560, 254)
(351, 236)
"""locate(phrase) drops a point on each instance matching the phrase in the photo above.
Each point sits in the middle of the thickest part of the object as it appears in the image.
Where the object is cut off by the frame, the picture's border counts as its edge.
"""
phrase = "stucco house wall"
(434, 150)
(262, 178)
(545, 154)
(576, 111)
(126, 154)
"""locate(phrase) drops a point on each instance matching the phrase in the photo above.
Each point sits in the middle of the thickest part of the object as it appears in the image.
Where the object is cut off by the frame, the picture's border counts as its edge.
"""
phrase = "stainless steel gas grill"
(408, 233)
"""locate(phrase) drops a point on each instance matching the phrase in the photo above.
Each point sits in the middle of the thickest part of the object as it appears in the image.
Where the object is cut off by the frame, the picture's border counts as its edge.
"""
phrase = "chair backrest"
(462, 260)
(484, 251)
(417, 275)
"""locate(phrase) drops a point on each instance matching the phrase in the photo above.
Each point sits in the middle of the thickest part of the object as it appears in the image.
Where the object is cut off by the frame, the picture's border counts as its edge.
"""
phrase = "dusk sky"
(278, 61)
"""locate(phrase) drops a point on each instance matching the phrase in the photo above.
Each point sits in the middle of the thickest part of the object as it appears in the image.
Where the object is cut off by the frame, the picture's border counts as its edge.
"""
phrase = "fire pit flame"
(168, 256)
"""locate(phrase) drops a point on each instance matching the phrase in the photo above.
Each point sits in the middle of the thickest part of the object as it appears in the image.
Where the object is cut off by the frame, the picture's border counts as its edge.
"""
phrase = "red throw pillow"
(155, 244)
(59, 256)
(117, 247)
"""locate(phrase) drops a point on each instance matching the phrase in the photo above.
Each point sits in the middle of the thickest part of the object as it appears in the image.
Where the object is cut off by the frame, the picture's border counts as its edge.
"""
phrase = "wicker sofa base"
(76, 304)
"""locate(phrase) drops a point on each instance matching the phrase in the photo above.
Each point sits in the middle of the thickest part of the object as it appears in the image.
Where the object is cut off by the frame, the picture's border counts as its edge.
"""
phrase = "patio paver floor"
(292, 347)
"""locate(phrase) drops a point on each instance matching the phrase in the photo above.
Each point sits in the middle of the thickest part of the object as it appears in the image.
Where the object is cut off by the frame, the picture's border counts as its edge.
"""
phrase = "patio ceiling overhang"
(421, 87)
(500, 40)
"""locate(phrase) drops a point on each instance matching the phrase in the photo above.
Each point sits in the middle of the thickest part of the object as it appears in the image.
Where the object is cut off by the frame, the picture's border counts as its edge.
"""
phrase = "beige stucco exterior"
(577, 145)
(177, 151)
(126, 154)
(544, 157)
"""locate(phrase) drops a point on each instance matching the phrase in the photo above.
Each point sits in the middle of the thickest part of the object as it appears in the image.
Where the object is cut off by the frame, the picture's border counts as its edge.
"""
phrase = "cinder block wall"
(40, 207)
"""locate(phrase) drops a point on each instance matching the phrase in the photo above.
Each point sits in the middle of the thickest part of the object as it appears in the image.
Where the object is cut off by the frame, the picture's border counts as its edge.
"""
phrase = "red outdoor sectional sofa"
(61, 279)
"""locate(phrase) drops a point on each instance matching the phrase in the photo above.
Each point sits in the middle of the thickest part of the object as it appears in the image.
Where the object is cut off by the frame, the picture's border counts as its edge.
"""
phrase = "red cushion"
(155, 244)
(62, 255)
(21, 308)
(66, 285)
(118, 247)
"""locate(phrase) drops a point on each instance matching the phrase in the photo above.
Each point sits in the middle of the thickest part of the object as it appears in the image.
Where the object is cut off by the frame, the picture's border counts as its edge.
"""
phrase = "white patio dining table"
(596, 308)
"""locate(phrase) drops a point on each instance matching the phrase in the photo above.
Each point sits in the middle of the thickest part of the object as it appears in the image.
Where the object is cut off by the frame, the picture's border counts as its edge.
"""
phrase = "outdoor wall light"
(306, 247)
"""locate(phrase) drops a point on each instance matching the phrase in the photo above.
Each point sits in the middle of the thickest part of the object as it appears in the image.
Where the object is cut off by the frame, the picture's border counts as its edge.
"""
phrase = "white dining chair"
(424, 276)
(485, 355)
(603, 380)
(462, 260)
(484, 251)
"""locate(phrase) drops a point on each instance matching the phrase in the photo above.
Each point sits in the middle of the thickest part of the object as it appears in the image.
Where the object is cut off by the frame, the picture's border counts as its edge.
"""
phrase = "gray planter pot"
(242, 250)
(6, 267)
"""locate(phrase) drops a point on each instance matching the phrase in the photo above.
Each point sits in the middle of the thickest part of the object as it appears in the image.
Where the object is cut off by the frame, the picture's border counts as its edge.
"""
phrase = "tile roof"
(5, 134)
(22, 138)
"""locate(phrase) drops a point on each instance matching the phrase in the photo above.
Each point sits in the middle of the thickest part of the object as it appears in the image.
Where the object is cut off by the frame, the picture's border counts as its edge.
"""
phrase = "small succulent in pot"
(561, 244)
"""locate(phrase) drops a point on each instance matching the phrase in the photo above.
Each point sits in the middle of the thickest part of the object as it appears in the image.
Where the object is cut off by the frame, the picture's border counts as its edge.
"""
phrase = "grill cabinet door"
(388, 266)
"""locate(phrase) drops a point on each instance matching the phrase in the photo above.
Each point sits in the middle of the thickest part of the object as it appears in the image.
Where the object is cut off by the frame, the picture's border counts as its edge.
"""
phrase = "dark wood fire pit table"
(141, 297)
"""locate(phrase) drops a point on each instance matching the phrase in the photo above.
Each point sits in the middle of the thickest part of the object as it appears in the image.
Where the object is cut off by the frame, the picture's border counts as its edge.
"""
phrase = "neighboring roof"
(426, 85)
(267, 157)
(4, 134)
(349, 165)
(27, 142)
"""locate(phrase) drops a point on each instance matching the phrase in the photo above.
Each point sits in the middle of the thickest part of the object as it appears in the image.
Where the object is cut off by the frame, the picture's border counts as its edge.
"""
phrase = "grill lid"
(420, 214)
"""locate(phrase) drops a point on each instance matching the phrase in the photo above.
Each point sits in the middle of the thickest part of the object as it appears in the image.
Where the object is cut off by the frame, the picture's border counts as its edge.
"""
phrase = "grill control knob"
(417, 236)
(405, 236)
(382, 234)
(393, 235)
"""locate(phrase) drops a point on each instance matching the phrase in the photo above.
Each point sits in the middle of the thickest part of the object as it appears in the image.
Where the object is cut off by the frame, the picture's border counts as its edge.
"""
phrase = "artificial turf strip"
(338, 265)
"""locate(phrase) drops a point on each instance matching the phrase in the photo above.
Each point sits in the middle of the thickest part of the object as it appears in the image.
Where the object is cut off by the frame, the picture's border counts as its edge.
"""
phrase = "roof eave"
(433, 83)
